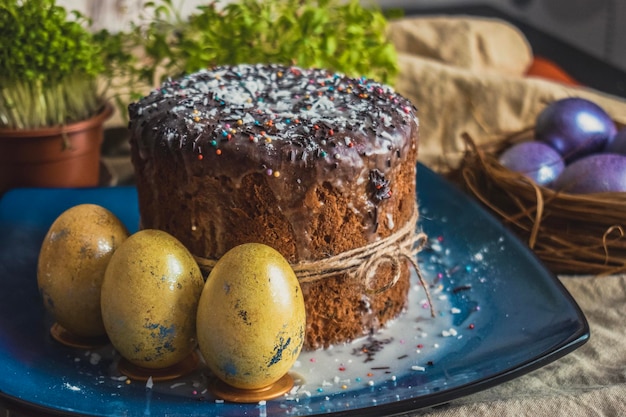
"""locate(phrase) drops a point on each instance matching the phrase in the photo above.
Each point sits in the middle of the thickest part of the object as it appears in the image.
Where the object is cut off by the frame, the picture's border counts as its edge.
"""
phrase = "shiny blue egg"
(618, 144)
(536, 160)
(597, 173)
(575, 127)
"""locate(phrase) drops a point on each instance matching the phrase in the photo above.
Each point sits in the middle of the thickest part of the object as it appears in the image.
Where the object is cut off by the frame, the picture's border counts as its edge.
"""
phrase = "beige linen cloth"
(467, 75)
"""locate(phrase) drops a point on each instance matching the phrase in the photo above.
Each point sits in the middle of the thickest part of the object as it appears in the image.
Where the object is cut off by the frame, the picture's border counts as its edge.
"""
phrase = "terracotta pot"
(57, 156)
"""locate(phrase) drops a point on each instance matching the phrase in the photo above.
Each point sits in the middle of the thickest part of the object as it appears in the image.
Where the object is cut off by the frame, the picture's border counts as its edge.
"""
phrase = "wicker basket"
(571, 233)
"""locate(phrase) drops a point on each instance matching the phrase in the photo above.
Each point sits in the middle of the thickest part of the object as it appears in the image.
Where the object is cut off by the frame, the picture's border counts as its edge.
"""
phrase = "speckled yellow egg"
(71, 266)
(149, 300)
(251, 317)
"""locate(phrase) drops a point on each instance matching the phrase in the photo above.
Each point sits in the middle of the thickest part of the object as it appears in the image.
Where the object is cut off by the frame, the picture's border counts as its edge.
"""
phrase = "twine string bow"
(363, 262)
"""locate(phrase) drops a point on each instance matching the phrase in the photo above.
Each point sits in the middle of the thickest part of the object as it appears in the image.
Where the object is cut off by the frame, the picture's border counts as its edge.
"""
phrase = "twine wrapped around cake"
(570, 233)
(363, 262)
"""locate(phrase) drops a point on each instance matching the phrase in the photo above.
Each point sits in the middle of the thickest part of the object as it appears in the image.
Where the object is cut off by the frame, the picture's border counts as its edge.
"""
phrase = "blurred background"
(586, 38)
(595, 27)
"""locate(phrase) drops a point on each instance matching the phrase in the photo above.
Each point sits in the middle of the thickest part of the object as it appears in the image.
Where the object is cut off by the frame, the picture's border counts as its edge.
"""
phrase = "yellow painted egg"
(71, 266)
(150, 296)
(251, 317)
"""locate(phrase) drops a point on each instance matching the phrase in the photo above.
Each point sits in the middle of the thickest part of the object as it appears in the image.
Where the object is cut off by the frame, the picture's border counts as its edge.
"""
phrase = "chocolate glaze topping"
(300, 127)
(273, 112)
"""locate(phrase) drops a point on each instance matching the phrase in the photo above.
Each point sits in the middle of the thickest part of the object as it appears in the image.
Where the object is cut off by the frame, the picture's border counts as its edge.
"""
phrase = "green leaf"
(43, 45)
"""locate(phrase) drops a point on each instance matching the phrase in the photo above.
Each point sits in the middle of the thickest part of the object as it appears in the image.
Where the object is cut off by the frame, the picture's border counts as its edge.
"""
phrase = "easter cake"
(315, 164)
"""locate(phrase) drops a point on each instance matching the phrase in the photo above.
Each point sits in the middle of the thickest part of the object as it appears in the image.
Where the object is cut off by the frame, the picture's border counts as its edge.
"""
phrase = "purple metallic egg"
(618, 143)
(575, 127)
(598, 173)
(537, 160)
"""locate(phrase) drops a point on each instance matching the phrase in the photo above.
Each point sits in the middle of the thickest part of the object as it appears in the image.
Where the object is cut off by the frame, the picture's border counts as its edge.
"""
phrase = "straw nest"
(570, 233)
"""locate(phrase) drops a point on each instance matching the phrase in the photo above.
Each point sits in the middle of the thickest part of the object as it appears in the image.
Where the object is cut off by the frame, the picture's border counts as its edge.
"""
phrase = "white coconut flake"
(390, 222)
(94, 358)
(71, 387)
(449, 332)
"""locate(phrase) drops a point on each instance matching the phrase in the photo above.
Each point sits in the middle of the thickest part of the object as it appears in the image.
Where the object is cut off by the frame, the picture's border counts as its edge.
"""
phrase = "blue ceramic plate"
(500, 314)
